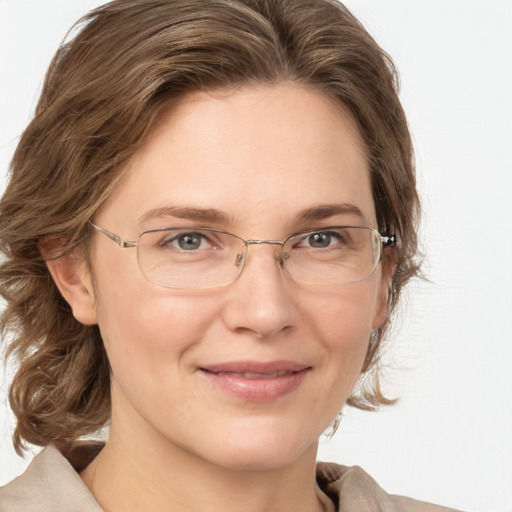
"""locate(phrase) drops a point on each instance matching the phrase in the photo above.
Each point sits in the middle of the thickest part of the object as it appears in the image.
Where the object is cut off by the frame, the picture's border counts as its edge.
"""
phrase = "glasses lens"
(190, 258)
(332, 256)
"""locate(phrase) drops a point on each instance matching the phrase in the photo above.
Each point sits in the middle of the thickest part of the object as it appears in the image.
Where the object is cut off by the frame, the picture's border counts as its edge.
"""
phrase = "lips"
(250, 375)
(256, 381)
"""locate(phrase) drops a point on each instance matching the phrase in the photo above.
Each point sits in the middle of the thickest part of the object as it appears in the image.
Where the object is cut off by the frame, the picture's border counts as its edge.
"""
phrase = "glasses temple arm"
(117, 239)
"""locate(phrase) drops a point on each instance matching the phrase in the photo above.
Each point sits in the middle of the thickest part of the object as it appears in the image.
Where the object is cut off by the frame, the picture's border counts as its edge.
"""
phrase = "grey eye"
(319, 240)
(186, 241)
(190, 241)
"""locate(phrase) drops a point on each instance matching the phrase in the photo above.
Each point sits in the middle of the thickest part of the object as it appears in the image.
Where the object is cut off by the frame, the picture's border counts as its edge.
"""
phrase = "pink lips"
(256, 381)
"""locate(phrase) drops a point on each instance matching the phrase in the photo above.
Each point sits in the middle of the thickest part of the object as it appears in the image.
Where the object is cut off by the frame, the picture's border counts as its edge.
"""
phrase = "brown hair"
(105, 87)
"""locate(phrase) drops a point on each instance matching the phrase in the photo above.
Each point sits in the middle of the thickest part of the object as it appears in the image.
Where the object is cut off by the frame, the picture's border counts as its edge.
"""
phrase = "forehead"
(256, 154)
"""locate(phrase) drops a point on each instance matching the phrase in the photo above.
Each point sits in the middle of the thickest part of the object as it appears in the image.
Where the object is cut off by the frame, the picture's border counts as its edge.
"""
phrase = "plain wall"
(449, 440)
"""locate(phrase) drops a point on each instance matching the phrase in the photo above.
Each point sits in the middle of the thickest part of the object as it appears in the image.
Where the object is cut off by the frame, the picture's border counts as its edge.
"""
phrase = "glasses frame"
(386, 241)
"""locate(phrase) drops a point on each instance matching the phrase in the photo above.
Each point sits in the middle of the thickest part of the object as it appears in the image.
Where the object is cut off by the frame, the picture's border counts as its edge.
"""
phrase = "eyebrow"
(214, 216)
(322, 212)
(210, 215)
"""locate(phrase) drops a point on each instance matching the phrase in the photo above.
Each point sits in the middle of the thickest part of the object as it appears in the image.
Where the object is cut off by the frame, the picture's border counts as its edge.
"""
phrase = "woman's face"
(194, 371)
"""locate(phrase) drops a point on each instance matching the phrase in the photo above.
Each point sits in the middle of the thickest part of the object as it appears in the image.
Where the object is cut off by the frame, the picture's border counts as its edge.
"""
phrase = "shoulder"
(354, 490)
(50, 484)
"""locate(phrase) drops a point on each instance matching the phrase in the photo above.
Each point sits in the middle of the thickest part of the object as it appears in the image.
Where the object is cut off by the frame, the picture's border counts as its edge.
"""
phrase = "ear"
(381, 309)
(72, 277)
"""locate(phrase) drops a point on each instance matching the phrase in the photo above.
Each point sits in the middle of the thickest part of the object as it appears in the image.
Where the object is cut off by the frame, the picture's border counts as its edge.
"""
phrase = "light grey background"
(450, 438)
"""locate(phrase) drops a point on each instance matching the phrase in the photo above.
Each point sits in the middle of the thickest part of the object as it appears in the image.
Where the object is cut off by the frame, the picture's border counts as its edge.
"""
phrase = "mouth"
(256, 381)
(251, 375)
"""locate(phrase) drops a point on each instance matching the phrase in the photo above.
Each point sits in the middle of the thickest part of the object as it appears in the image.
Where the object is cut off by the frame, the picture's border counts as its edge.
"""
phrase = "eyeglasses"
(201, 258)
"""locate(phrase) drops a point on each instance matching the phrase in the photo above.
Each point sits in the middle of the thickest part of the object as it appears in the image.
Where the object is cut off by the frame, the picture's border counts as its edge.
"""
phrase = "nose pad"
(281, 258)
(260, 303)
(239, 259)
(279, 255)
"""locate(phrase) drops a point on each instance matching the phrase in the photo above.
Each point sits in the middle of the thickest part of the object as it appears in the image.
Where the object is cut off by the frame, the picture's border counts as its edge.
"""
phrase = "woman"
(207, 225)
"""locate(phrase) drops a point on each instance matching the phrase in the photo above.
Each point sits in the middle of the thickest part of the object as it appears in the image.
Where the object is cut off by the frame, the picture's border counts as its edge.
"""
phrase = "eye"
(320, 240)
(192, 241)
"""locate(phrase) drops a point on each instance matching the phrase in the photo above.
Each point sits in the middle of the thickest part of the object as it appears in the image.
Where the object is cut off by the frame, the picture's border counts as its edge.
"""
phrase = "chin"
(263, 448)
(258, 459)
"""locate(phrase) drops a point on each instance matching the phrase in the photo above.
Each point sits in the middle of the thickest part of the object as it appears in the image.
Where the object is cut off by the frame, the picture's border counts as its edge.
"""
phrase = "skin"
(261, 156)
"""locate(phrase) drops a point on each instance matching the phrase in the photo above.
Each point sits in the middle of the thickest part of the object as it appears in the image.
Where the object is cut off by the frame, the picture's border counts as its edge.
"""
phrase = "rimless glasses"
(201, 258)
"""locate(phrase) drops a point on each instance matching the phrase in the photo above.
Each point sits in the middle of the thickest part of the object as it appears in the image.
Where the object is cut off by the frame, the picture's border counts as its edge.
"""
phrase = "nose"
(262, 302)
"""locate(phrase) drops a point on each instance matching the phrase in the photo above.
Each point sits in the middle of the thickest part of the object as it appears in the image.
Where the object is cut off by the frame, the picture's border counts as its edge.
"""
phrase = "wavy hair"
(122, 65)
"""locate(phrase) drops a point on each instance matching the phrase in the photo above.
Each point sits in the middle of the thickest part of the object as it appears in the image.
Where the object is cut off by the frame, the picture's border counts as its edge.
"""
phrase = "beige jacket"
(52, 484)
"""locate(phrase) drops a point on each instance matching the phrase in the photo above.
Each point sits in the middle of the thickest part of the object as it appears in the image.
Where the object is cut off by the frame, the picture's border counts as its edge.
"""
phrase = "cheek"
(150, 340)
(146, 329)
(151, 324)
(344, 315)
(343, 322)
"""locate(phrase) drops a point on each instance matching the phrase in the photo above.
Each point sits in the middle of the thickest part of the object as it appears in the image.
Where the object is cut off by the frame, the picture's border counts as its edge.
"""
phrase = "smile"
(249, 375)
(254, 381)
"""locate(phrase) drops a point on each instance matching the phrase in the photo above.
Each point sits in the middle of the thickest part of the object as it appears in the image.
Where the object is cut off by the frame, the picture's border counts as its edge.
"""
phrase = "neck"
(157, 475)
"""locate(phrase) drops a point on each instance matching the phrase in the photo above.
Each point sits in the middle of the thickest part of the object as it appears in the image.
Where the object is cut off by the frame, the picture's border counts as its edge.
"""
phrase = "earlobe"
(381, 310)
(381, 314)
(72, 277)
